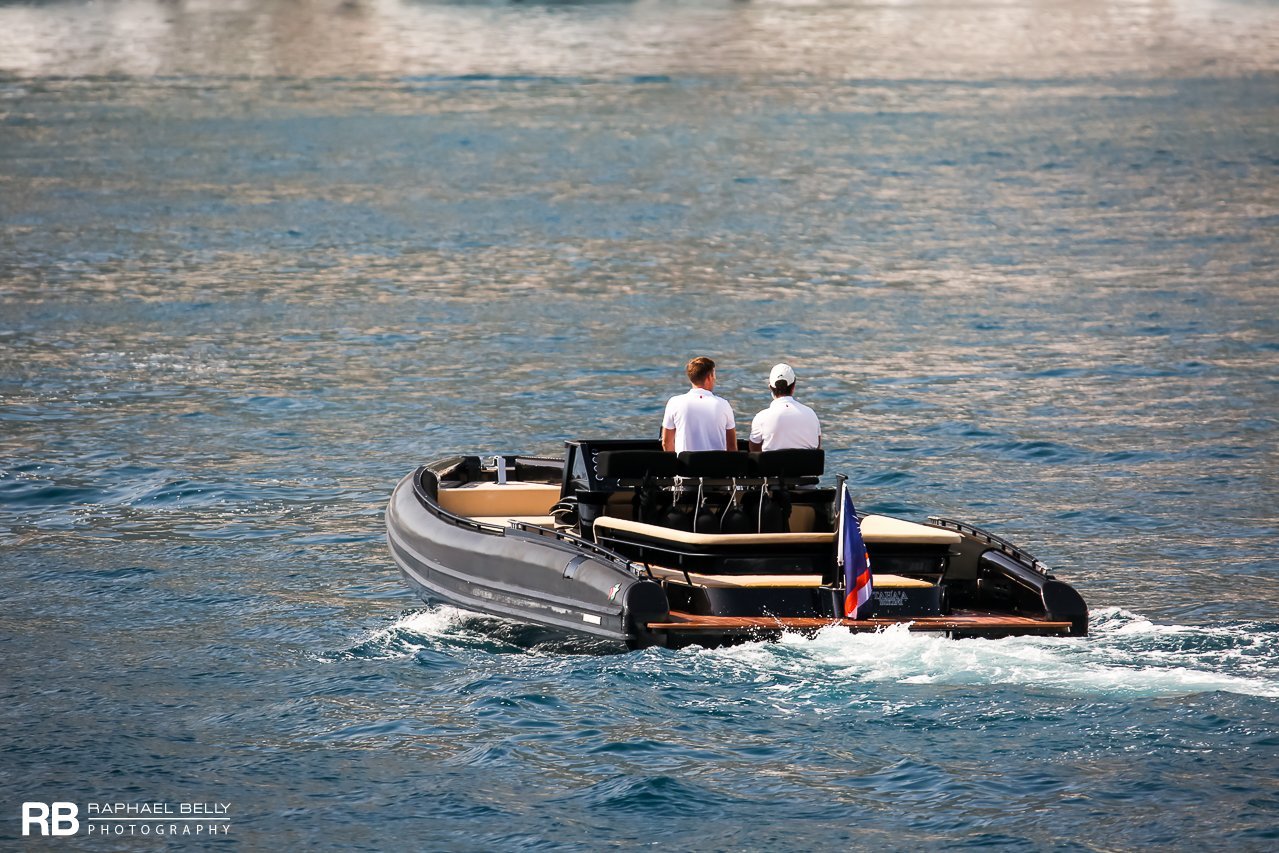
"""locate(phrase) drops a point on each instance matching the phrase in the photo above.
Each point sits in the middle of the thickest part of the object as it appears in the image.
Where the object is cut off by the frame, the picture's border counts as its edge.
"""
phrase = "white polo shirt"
(700, 420)
(786, 423)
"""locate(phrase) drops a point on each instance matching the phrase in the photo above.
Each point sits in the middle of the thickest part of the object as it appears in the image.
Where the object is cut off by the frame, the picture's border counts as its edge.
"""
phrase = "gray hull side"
(517, 576)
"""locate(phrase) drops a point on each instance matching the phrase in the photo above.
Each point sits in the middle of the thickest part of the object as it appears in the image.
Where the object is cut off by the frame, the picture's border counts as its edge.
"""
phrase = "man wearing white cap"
(787, 423)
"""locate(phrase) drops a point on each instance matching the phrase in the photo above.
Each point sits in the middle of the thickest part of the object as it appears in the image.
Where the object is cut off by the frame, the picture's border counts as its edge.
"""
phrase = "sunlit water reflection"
(257, 260)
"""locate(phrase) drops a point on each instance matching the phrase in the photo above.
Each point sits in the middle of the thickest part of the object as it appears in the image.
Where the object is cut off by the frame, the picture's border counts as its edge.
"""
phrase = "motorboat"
(622, 541)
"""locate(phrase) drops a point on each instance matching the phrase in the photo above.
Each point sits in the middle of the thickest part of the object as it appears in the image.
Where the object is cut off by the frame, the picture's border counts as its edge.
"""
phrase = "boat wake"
(444, 627)
(1126, 655)
(406, 636)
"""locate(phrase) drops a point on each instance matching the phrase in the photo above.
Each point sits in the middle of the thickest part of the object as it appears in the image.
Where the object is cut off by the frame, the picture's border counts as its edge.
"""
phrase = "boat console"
(737, 532)
(729, 492)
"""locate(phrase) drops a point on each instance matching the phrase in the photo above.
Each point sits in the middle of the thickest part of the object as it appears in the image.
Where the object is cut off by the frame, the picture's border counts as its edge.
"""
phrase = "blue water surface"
(259, 260)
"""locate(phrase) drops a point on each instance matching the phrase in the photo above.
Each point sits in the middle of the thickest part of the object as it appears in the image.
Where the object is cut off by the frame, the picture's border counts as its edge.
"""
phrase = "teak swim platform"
(622, 541)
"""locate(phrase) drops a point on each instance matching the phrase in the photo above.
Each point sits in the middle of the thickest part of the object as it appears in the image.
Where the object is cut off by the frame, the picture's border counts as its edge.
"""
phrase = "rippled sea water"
(260, 259)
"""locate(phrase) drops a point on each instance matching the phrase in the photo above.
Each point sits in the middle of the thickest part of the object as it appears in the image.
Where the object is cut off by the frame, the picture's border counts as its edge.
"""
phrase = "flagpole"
(842, 480)
(841, 575)
(853, 557)
(840, 521)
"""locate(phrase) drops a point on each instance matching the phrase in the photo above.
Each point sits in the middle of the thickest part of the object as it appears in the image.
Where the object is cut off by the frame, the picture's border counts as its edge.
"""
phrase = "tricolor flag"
(852, 556)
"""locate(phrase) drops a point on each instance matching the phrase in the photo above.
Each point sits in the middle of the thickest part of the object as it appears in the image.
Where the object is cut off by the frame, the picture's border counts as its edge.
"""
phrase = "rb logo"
(59, 820)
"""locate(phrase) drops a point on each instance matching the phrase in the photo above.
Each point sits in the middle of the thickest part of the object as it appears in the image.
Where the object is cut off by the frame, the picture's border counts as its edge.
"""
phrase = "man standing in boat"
(699, 420)
(787, 423)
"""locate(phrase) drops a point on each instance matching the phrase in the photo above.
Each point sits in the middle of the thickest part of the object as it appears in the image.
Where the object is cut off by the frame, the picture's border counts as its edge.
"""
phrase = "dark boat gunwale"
(433, 506)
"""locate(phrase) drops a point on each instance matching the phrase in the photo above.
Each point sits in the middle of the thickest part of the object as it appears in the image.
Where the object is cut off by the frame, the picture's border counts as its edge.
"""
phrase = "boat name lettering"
(891, 597)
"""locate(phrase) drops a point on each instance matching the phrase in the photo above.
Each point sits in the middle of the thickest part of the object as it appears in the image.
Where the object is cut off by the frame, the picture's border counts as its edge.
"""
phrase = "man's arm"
(668, 440)
(756, 447)
(730, 434)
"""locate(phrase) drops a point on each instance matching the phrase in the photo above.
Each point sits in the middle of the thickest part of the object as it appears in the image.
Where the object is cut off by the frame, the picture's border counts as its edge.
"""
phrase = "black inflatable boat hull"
(521, 575)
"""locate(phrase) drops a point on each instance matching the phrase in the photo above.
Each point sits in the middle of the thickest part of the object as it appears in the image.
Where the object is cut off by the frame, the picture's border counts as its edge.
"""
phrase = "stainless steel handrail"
(1005, 547)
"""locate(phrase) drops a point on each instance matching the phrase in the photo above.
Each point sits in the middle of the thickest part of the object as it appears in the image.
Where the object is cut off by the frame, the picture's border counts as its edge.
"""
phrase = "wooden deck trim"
(690, 622)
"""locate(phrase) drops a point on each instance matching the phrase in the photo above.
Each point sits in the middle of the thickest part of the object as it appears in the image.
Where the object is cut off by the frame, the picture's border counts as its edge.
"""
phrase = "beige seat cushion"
(882, 529)
(878, 529)
(703, 539)
(491, 499)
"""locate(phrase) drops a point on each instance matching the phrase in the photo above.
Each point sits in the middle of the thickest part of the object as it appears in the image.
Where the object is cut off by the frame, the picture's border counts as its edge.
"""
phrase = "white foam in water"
(433, 622)
(1125, 655)
(410, 634)
(1107, 663)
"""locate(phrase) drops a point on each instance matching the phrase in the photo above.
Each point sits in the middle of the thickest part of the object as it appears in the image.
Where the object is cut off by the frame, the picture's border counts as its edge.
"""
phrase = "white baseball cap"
(781, 373)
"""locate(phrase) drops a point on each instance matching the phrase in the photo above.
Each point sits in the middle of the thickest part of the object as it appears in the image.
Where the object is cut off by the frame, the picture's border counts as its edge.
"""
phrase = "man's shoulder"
(811, 416)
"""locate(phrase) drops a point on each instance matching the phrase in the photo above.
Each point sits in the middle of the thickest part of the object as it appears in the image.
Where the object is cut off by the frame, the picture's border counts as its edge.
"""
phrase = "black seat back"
(715, 464)
(789, 463)
(637, 464)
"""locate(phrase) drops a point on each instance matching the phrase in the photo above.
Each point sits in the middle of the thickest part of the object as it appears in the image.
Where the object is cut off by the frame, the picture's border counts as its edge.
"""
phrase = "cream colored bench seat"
(876, 529)
(883, 530)
(494, 500)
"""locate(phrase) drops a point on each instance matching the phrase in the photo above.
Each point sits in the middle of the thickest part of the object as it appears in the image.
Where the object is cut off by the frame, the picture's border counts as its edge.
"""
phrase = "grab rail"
(573, 539)
(577, 542)
(1005, 547)
(433, 506)
(755, 552)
